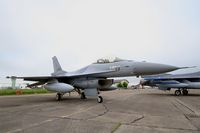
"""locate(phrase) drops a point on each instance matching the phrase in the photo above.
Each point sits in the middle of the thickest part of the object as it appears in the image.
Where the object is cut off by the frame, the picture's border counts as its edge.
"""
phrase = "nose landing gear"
(178, 92)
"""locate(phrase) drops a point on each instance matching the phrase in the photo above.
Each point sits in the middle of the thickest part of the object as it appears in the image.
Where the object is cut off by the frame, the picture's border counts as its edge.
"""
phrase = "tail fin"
(56, 66)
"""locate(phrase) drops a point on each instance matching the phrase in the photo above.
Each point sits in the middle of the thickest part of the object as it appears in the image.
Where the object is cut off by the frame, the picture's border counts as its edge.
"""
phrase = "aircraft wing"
(33, 78)
(67, 76)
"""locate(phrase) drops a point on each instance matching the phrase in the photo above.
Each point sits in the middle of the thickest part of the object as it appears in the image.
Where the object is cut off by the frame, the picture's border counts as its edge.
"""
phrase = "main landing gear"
(59, 96)
(99, 99)
(178, 92)
(83, 95)
(185, 92)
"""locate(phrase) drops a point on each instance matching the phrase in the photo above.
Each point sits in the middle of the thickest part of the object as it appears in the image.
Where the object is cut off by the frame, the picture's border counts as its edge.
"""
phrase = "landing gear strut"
(185, 92)
(58, 96)
(83, 95)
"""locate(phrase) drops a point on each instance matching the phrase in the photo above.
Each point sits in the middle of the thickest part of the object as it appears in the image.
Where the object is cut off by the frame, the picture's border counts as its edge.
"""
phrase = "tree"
(122, 84)
(119, 85)
(125, 84)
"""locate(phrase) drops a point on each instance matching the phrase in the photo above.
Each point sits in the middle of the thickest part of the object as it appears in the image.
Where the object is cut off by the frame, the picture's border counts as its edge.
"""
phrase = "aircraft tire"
(99, 99)
(58, 96)
(177, 92)
(185, 92)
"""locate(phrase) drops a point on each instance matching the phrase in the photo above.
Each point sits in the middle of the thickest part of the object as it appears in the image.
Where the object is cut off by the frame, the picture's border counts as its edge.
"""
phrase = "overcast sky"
(80, 31)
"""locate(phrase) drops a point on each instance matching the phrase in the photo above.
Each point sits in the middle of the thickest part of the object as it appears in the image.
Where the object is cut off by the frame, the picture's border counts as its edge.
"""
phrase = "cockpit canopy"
(108, 60)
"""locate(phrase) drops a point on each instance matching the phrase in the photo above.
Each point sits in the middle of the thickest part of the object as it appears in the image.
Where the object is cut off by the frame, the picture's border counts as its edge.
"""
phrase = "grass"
(22, 91)
(116, 127)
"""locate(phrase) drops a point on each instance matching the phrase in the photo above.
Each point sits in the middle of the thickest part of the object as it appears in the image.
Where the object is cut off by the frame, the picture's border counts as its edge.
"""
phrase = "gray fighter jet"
(181, 82)
(90, 80)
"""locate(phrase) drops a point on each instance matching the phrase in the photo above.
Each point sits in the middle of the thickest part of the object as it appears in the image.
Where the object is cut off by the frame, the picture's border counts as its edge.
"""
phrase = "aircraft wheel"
(185, 92)
(178, 92)
(99, 99)
(83, 95)
(58, 96)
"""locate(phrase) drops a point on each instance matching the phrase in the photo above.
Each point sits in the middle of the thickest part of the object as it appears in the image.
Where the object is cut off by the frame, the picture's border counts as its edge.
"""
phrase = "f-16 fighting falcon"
(90, 80)
(181, 82)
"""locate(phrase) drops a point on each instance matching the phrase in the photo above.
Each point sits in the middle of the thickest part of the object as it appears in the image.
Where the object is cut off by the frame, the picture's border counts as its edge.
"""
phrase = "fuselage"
(188, 81)
(124, 68)
(177, 84)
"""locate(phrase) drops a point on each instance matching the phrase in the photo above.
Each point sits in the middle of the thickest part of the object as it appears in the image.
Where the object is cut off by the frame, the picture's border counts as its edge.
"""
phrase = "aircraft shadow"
(171, 94)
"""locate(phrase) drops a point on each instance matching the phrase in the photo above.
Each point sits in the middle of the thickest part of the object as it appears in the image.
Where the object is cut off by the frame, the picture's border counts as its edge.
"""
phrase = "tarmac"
(123, 111)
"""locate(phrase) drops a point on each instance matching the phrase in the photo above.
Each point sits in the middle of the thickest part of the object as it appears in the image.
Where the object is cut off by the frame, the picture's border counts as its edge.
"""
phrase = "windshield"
(109, 60)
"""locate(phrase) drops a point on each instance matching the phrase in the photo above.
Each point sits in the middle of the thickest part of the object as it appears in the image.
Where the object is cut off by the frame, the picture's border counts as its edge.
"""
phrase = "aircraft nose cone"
(165, 68)
(153, 68)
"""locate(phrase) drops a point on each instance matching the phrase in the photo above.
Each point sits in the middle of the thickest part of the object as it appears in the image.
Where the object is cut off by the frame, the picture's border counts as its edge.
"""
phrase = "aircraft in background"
(181, 82)
(90, 80)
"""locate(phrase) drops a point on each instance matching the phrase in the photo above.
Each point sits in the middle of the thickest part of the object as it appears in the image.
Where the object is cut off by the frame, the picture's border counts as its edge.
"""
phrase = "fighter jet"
(90, 80)
(181, 82)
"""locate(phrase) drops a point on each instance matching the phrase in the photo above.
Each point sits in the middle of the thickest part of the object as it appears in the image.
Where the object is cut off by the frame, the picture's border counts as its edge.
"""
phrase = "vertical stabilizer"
(56, 66)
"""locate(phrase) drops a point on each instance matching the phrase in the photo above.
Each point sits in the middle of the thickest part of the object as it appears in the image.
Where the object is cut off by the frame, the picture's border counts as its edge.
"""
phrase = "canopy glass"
(108, 60)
